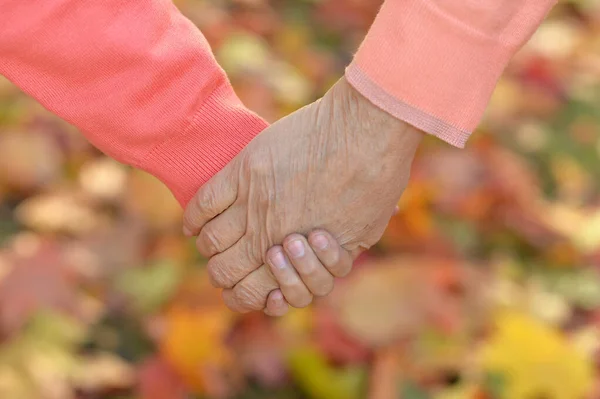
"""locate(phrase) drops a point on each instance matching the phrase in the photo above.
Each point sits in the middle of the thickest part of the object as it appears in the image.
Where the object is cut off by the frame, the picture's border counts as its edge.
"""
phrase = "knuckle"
(205, 201)
(190, 218)
(187, 218)
(254, 249)
(228, 300)
(247, 298)
(210, 242)
(217, 274)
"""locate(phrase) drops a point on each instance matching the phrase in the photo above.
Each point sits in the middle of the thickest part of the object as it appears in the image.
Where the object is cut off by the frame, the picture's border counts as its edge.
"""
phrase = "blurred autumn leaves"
(486, 284)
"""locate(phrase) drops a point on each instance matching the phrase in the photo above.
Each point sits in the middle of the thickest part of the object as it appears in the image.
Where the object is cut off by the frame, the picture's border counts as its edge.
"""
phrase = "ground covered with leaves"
(485, 286)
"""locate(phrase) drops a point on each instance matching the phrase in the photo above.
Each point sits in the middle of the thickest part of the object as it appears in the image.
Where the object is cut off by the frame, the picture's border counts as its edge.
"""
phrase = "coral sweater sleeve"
(435, 63)
(136, 77)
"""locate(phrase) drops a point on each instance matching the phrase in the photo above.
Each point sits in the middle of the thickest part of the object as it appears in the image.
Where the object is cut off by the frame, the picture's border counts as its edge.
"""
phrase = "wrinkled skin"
(339, 164)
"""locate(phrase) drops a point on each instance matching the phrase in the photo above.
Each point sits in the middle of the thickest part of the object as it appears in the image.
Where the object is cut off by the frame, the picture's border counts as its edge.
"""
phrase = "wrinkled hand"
(339, 164)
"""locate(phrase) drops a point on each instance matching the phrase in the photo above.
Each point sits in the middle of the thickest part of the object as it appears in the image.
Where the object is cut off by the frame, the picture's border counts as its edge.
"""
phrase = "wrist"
(381, 125)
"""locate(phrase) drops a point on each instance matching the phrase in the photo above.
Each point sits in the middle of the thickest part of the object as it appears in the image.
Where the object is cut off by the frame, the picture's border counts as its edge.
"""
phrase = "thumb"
(214, 197)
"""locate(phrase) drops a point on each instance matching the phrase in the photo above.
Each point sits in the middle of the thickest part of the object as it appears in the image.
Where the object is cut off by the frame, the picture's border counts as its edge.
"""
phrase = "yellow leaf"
(536, 360)
(242, 52)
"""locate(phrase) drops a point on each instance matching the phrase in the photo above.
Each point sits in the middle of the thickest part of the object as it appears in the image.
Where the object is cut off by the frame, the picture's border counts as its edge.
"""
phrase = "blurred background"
(485, 286)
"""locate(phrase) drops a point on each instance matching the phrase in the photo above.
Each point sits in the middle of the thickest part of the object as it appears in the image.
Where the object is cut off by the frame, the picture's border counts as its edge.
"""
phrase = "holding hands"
(333, 170)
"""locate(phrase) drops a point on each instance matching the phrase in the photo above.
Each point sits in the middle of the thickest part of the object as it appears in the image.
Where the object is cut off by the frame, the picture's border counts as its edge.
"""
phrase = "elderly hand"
(339, 164)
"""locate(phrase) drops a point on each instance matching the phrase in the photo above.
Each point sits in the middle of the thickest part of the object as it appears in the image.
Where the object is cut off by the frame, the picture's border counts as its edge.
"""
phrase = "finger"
(251, 293)
(335, 258)
(222, 232)
(293, 288)
(212, 198)
(396, 210)
(314, 275)
(227, 268)
(276, 304)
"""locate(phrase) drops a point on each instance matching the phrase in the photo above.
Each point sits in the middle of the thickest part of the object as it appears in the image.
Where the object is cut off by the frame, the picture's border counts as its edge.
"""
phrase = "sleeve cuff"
(221, 128)
(436, 64)
(406, 112)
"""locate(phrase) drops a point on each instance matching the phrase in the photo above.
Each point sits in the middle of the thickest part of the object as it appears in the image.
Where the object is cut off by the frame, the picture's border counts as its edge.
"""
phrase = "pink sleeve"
(435, 63)
(135, 76)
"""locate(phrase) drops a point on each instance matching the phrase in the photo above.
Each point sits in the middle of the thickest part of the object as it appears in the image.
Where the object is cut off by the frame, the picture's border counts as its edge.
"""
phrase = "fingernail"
(277, 298)
(187, 232)
(278, 260)
(320, 242)
(296, 248)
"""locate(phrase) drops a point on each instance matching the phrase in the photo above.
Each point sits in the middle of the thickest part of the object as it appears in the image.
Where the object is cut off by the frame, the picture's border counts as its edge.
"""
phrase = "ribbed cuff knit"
(221, 128)
(435, 64)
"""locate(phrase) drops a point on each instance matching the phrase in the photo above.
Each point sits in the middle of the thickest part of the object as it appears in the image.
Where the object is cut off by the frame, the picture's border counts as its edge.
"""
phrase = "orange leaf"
(194, 344)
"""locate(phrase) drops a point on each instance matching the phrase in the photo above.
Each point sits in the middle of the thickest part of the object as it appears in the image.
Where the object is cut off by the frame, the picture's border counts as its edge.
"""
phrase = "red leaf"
(158, 381)
(39, 279)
